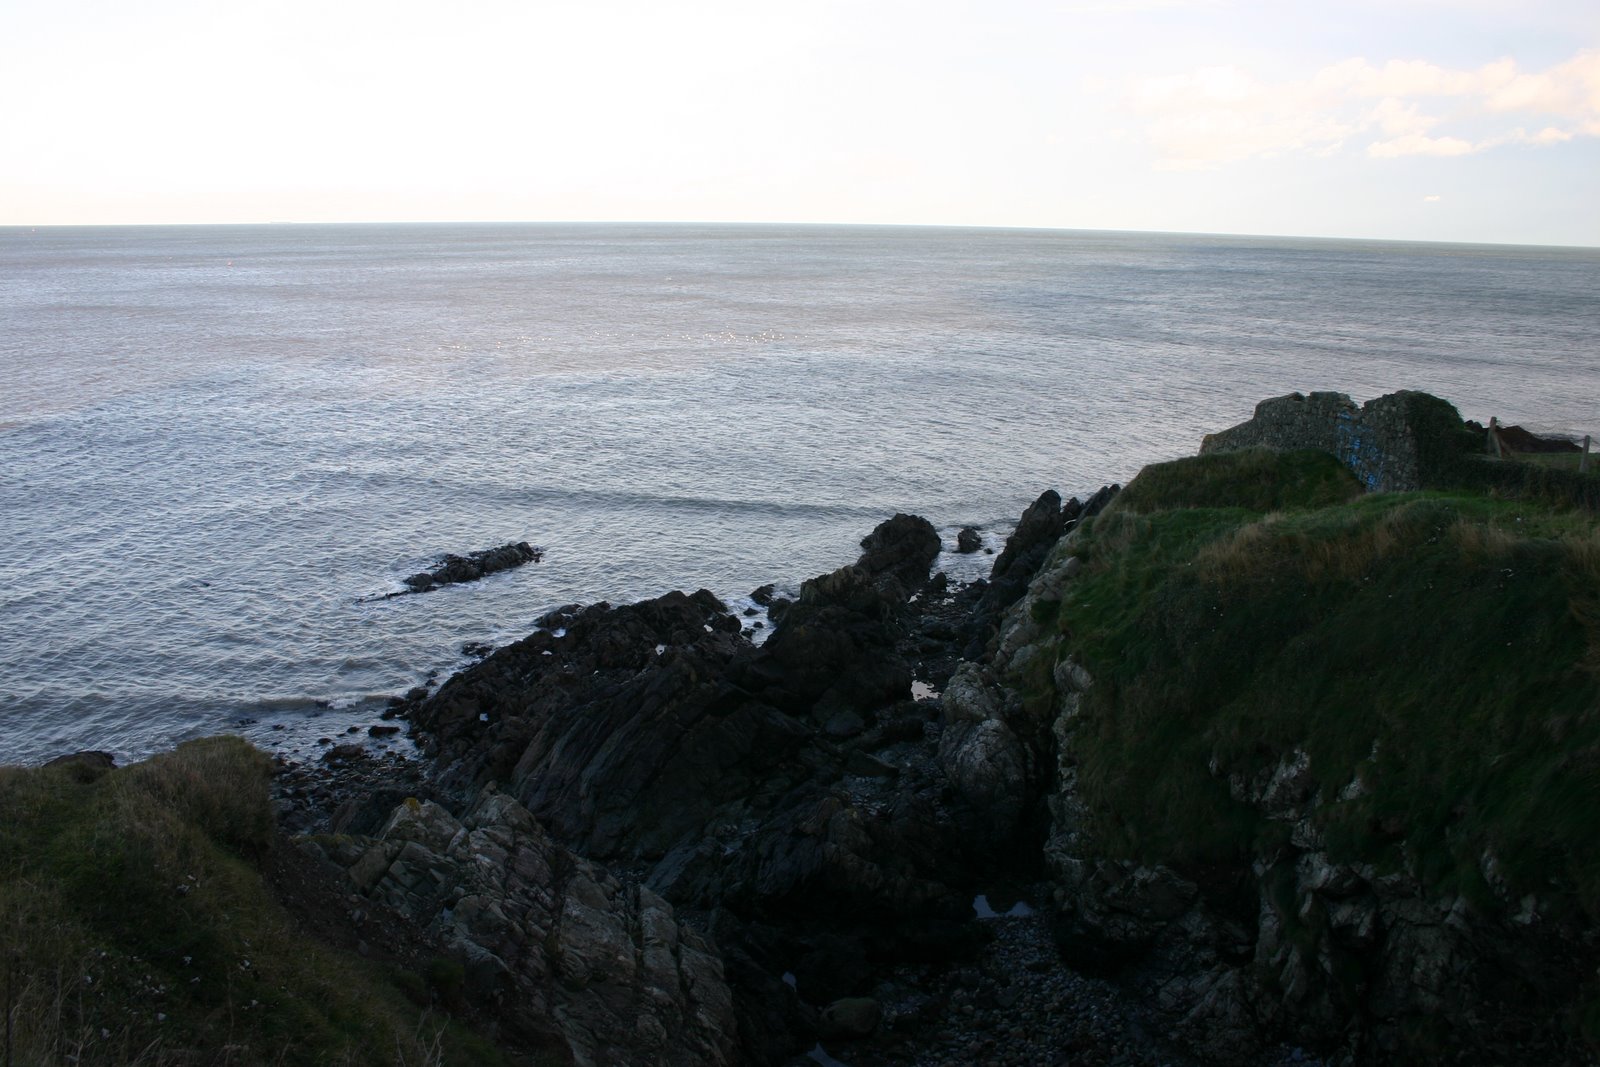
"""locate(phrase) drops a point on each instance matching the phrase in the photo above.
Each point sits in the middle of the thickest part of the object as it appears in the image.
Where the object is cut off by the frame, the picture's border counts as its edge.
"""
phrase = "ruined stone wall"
(1381, 441)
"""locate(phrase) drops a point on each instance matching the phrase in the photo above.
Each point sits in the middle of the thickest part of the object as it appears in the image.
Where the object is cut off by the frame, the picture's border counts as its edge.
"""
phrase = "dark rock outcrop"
(792, 791)
(1044, 523)
(968, 540)
(900, 550)
(573, 965)
(1520, 439)
(453, 569)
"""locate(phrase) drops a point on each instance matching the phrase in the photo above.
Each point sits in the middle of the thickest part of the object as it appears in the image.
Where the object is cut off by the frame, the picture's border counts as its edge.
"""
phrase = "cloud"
(1413, 144)
(1432, 198)
(1215, 115)
(1548, 135)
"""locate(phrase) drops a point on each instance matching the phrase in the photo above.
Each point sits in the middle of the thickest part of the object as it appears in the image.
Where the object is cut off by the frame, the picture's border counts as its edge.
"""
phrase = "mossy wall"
(1400, 442)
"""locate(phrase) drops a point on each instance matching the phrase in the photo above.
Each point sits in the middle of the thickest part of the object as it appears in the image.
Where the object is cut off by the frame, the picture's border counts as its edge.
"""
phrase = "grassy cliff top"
(1435, 655)
(136, 927)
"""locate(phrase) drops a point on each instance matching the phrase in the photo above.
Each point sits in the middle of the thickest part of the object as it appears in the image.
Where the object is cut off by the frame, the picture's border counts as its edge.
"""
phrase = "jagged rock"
(791, 785)
(1042, 525)
(1070, 677)
(1218, 1017)
(901, 550)
(1315, 874)
(980, 753)
(453, 569)
(793, 792)
(834, 648)
(573, 963)
(968, 540)
(1280, 791)
(556, 618)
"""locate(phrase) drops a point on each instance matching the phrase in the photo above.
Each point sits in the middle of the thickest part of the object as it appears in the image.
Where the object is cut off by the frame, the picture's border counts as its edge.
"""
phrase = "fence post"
(1494, 437)
(1583, 460)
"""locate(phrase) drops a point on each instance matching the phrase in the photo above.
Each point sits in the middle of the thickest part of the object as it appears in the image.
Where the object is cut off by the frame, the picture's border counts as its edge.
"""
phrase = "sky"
(1466, 120)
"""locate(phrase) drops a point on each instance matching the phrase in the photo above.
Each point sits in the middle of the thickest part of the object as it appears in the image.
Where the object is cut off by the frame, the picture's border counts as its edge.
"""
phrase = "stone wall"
(1384, 442)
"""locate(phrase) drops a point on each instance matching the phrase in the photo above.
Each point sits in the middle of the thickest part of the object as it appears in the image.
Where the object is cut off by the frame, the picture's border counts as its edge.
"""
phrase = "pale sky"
(1452, 120)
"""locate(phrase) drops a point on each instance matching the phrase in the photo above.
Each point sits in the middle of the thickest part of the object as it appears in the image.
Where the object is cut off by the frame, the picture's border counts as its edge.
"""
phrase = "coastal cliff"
(1276, 767)
(1324, 761)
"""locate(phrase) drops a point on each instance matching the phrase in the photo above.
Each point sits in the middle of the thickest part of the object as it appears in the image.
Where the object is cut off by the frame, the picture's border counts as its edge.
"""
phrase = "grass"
(1441, 648)
(1564, 461)
(1257, 479)
(136, 928)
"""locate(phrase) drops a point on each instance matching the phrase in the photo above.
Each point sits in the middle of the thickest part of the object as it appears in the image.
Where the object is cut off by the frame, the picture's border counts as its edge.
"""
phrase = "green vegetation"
(1563, 461)
(136, 928)
(1436, 655)
(1550, 480)
(1256, 479)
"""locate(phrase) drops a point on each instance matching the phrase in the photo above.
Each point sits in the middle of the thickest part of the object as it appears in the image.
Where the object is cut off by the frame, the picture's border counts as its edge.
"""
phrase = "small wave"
(274, 705)
(633, 499)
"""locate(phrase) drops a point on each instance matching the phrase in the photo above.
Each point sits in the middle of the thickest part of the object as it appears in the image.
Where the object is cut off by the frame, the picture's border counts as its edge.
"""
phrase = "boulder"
(980, 753)
(900, 550)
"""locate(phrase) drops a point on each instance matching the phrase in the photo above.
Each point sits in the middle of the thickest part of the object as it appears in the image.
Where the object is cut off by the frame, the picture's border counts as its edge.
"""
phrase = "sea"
(221, 447)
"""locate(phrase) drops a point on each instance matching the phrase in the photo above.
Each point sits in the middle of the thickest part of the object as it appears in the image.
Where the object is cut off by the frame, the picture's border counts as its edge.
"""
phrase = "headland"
(1285, 752)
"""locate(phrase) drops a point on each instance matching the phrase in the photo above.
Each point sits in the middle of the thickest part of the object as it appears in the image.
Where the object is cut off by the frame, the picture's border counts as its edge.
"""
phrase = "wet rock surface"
(453, 569)
(352, 791)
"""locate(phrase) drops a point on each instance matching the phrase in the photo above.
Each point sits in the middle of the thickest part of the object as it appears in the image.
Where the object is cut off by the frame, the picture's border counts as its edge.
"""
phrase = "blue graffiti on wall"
(1357, 450)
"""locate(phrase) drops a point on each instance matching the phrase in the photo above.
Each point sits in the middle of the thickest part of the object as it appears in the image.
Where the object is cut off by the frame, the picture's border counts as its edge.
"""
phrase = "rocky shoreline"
(937, 985)
(638, 836)
(783, 850)
(790, 802)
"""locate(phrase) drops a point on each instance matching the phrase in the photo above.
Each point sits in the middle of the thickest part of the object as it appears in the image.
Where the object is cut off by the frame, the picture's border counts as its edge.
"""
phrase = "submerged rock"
(453, 569)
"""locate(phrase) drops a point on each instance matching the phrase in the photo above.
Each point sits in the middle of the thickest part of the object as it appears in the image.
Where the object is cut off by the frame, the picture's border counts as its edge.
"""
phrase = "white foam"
(983, 910)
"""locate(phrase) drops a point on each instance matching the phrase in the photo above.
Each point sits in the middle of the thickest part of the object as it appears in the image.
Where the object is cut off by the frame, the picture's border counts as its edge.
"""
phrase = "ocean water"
(219, 444)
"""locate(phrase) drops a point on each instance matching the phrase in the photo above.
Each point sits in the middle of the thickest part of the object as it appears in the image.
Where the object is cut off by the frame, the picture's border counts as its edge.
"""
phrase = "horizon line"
(285, 223)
